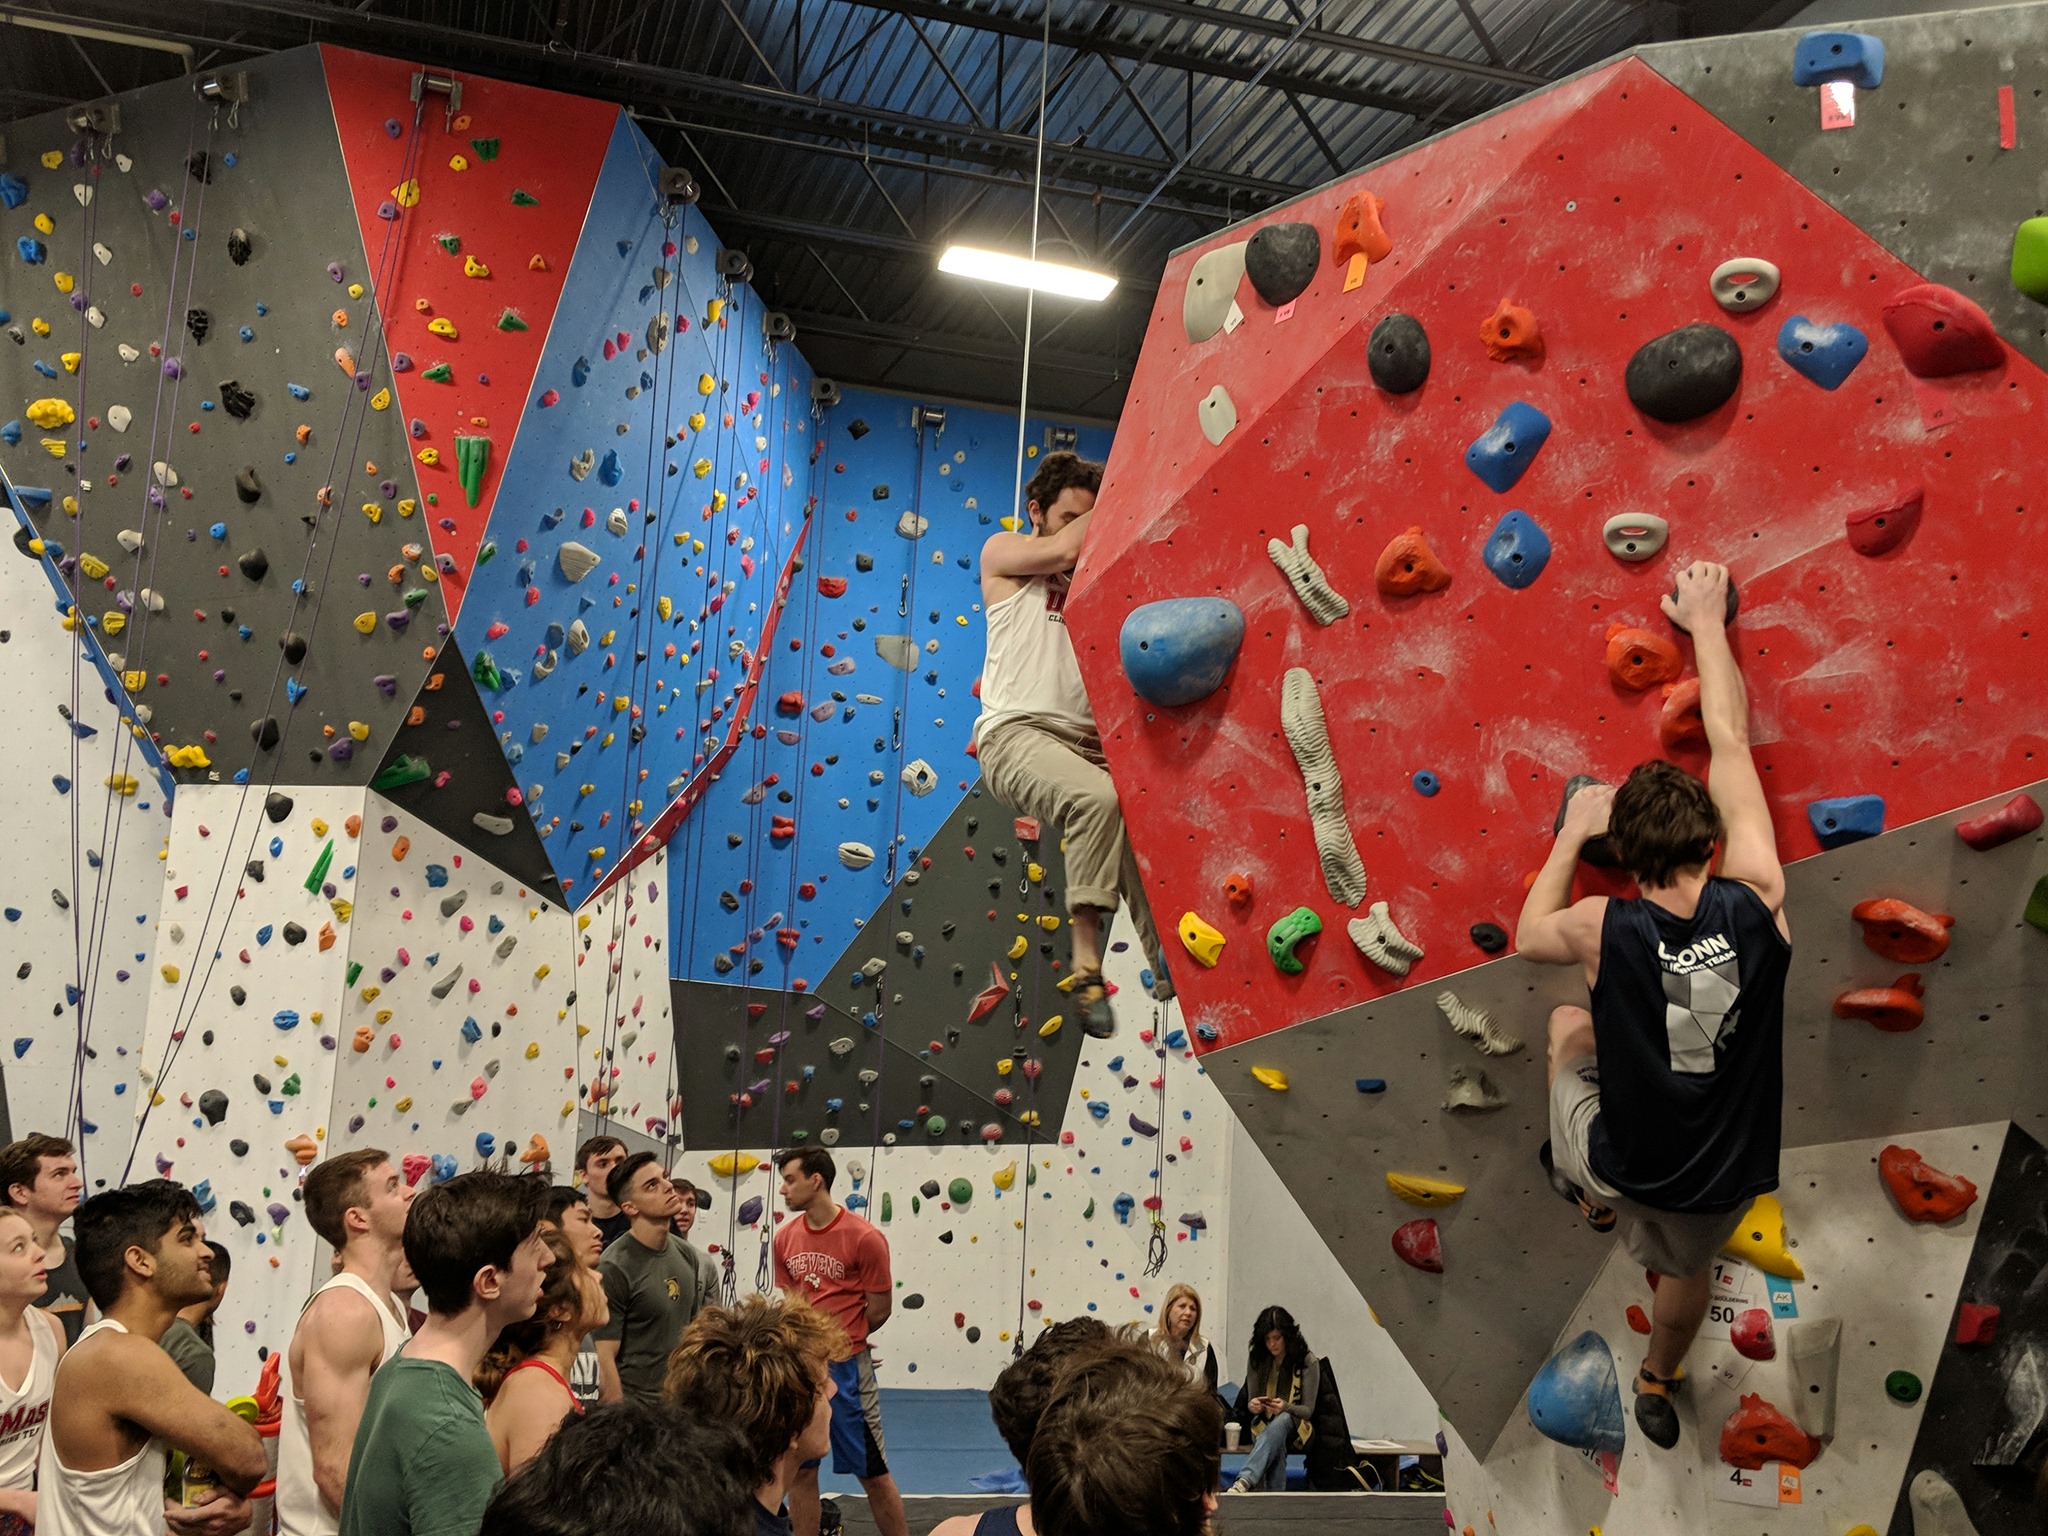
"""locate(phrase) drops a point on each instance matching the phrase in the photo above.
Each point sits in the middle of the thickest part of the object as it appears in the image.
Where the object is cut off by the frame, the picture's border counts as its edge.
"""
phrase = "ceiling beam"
(967, 348)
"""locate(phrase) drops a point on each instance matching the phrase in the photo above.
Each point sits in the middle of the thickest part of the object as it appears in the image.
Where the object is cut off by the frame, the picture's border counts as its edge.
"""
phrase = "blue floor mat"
(935, 1441)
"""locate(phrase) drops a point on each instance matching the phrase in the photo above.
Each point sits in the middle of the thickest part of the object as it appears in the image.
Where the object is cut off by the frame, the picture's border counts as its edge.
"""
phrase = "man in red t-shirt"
(840, 1265)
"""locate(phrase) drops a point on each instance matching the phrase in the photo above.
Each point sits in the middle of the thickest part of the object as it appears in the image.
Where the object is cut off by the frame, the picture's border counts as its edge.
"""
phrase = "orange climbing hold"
(364, 1039)
(1896, 1008)
(1511, 332)
(1359, 232)
(1923, 1193)
(1638, 1319)
(303, 1148)
(1900, 931)
(1756, 1432)
(1680, 725)
(1408, 566)
(1237, 890)
(1638, 659)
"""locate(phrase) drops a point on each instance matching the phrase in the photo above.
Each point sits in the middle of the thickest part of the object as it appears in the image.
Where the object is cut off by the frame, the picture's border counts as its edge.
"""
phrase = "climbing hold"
(1819, 58)
(576, 562)
(1176, 651)
(213, 1104)
(1937, 1507)
(1743, 283)
(1517, 550)
(1511, 332)
(304, 1149)
(856, 855)
(1381, 942)
(1217, 413)
(1359, 232)
(2036, 913)
(1750, 1332)
(1813, 1357)
(51, 413)
(1281, 261)
(1846, 818)
(1324, 603)
(1418, 1244)
(1476, 1025)
(1939, 332)
(472, 455)
(1200, 939)
(960, 1191)
(1825, 354)
(1408, 566)
(1902, 932)
(1420, 1189)
(1976, 1324)
(1684, 374)
(1638, 659)
(1397, 354)
(1634, 536)
(1759, 1239)
(1679, 723)
(1922, 1192)
(1501, 453)
(1881, 529)
(1301, 717)
(1470, 1088)
(1895, 1009)
(1902, 1387)
(1575, 1398)
(1237, 890)
(1490, 937)
(1426, 783)
(2016, 818)
(1211, 290)
(1756, 1432)
(730, 1165)
(1282, 938)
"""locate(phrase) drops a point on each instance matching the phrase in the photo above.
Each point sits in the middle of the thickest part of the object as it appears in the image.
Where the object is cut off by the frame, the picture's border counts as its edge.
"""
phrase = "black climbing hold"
(239, 1147)
(913, 1301)
(235, 400)
(857, 429)
(974, 1335)
(264, 733)
(929, 1189)
(23, 537)
(293, 933)
(198, 322)
(1281, 261)
(1398, 354)
(255, 564)
(294, 645)
(248, 486)
(214, 1105)
(262, 1083)
(727, 900)
(1598, 851)
(242, 1214)
(863, 562)
(1490, 937)
(239, 249)
(946, 1237)
(1684, 373)
(199, 166)
(239, 994)
(277, 805)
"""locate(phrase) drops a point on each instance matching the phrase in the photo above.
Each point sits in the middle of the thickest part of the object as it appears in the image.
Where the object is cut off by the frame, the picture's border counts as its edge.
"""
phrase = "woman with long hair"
(1178, 1336)
(524, 1378)
(1277, 1402)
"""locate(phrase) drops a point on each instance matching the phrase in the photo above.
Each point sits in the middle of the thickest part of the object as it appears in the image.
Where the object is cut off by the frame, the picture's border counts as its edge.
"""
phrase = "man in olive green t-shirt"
(655, 1281)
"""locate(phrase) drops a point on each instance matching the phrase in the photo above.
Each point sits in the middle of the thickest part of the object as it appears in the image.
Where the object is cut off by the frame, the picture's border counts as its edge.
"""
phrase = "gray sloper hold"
(1301, 717)
(497, 826)
(575, 561)
(1470, 1088)
(1937, 1507)
(1813, 1353)
(1324, 603)
(1217, 413)
(1281, 261)
(446, 984)
(899, 651)
(1211, 290)
(506, 945)
(452, 904)
(1684, 374)
(1635, 536)
(1381, 942)
(1398, 354)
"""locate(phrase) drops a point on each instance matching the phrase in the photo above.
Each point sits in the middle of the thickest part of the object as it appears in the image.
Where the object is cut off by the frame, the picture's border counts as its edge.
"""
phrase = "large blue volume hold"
(1517, 550)
(1821, 57)
(1576, 1397)
(1177, 650)
(1826, 354)
(1846, 819)
(1504, 450)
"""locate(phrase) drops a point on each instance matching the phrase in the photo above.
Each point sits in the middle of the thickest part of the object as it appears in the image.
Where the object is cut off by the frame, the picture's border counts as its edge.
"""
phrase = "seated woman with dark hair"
(1277, 1402)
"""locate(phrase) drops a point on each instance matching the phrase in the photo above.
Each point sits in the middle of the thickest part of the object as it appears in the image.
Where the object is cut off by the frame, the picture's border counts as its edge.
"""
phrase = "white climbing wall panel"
(626, 1044)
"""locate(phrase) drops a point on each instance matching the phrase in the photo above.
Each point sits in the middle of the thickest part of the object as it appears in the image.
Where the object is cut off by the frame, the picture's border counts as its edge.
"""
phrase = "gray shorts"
(1669, 1242)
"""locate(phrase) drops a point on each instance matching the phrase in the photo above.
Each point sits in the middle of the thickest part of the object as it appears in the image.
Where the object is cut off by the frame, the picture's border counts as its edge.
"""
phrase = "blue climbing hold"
(579, 372)
(21, 1045)
(472, 1031)
(1176, 651)
(13, 190)
(496, 924)
(1372, 1085)
(45, 369)
(263, 934)
(1501, 453)
(286, 1018)
(32, 250)
(1517, 550)
(442, 1166)
(609, 470)
(1123, 1206)
(1576, 1397)
(10, 434)
(246, 334)
(1826, 354)
(1425, 782)
(1857, 57)
(202, 1195)
(294, 690)
(62, 782)
(486, 1144)
(1846, 819)
(833, 1106)
(1098, 1109)
(437, 875)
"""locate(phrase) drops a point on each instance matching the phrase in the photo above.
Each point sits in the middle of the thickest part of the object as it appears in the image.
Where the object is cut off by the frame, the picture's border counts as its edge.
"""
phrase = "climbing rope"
(1155, 1249)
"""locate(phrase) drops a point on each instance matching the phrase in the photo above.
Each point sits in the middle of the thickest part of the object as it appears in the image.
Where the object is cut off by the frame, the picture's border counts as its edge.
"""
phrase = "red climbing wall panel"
(549, 147)
(1603, 206)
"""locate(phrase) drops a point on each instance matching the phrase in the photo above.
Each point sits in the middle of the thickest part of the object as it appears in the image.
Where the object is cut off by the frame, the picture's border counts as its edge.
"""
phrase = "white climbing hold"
(152, 599)
(579, 637)
(119, 416)
(1476, 1025)
(95, 316)
(911, 526)
(920, 778)
(101, 253)
(1472, 1089)
(1381, 942)
(1217, 413)
(497, 826)
(856, 855)
(166, 476)
(129, 539)
(1301, 717)
(1813, 1354)
(616, 522)
(1937, 1507)
(1324, 603)
(128, 353)
(82, 190)
(842, 1047)
(576, 561)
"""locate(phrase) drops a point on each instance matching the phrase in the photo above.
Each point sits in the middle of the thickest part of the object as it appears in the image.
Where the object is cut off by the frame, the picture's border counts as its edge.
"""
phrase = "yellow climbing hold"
(355, 290)
(730, 1165)
(663, 607)
(407, 506)
(71, 360)
(344, 909)
(375, 514)
(64, 280)
(471, 267)
(1051, 1026)
(45, 225)
(706, 384)
(113, 621)
(541, 973)
(1417, 1189)
(51, 413)
(381, 401)
(533, 1050)
(458, 162)
(1003, 1066)
(371, 994)
(40, 326)
(714, 310)
(404, 1105)
(696, 421)
(1272, 1077)
(1760, 1240)
(1050, 922)
(1201, 940)
(135, 680)
(52, 158)
(1034, 872)
(92, 567)
(359, 730)
(406, 194)
(1019, 947)
(441, 325)
(384, 1015)
(1005, 1176)
(170, 973)
(701, 468)
(188, 757)
(366, 624)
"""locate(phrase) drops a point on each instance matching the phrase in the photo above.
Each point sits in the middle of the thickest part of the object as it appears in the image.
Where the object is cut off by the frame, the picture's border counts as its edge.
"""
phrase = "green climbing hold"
(1089, 1214)
(319, 873)
(2037, 905)
(472, 454)
(440, 373)
(486, 149)
(355, 969)
(452, 244)
(415, 597)
(1030, 1174)
(404, 769)
(289, 1088)
(1902, 1387)
(916, 1205)
(509, 321)
(935, 1125)
(799, 1134)
(888, 1206)
(524, 199)
(960, 1191)
(490, 548)
(2030, 259)
(485, 671)
(1281, 938)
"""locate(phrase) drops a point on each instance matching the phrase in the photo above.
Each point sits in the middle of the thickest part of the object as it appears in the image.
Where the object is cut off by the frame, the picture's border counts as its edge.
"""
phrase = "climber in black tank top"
(1665, 1097)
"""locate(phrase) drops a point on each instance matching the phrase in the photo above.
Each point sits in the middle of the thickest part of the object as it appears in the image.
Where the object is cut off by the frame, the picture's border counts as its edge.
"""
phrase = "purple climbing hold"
(750, 1210)
(334, 270)
(1143, 1128)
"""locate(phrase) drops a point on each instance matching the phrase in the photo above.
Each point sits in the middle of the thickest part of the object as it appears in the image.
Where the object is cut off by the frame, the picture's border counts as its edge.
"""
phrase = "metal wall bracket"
(425, 81)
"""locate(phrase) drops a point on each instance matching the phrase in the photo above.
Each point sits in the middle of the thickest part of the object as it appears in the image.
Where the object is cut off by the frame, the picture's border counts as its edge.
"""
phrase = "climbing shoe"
(1655, 1415)
(1091, 1005)
(1598, 1216)
(1162, 985)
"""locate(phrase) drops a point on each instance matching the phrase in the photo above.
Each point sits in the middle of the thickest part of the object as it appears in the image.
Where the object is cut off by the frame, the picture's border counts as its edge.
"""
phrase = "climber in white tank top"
(1036, 738)
(120, 1404)
(356, 1201)
(30, 1344)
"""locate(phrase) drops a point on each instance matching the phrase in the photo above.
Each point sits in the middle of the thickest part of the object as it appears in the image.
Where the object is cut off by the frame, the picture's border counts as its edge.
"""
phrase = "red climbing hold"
(1028, 830)
(1924, 1193)
(1408, 566)
(1511, 332)
(1900, 931)
(1756, 1432)
(1417, 1243)
(791, 703)
(1895, 1008)
(781, 828)
(990, 997)
(831, 586)
(1680, 724)
(1939, 332)
(1638, 1319)
(1976, 1324)
(2016, 818)
(1638, 659)
(1880, 530)
(1750, 1333)
(1359, 232)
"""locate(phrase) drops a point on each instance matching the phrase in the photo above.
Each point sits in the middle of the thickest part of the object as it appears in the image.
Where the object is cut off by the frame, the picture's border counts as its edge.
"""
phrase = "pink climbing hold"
(478, 1087)
(1750, 1333)
(1418, 1244)
(2016, 818)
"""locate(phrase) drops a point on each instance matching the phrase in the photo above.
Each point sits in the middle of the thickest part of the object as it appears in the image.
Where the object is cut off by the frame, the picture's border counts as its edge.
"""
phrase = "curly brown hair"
(1061, 472)
(1127, 1443)
(759, 1365)
(1663, 821)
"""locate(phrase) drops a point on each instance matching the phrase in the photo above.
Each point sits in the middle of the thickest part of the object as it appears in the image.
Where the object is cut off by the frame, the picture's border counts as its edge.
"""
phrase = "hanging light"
(1022, 272)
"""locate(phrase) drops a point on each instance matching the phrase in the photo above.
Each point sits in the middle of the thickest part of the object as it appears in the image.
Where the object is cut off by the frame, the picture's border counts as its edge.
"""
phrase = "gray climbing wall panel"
(1516, 1259)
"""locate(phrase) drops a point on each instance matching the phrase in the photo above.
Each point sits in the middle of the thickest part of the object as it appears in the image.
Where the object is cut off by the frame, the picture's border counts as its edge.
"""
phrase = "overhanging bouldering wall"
(1872, 505)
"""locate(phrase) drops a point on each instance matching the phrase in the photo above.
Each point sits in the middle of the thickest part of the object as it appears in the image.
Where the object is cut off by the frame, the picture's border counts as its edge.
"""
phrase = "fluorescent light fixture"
(1022, 272)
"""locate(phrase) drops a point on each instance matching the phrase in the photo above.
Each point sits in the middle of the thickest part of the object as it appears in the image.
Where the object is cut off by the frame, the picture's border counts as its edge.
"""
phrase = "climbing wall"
(625, 1026)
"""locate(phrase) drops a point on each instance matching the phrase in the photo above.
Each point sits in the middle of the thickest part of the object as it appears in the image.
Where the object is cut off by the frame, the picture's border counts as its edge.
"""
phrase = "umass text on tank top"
(1688, 1021)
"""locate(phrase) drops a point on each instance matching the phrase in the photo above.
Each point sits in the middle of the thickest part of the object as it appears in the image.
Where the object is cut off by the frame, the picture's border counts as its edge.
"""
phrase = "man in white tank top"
(120, 1404)
(357, 1203)
(1036, 738)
